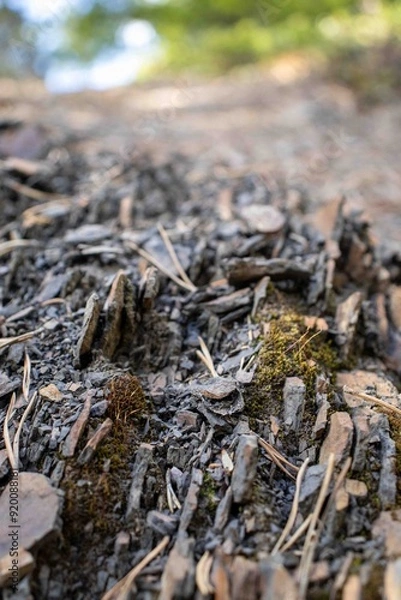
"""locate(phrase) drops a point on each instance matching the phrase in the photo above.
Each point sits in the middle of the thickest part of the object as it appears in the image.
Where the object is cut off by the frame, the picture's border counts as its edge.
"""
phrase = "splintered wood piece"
(114, 309)
(91, 318)
(259, 294)
(229, 302)
(90, 449)
(347, 315)
(149, 286)
(77, 429)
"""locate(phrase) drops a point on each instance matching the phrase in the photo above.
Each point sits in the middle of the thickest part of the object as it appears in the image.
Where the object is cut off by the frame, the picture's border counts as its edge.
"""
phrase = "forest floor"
(200, 341)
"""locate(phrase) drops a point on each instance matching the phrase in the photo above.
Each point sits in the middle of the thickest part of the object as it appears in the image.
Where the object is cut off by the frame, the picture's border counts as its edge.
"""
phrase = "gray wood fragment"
(143, 458)
(91, 318)
(246, 458)
(294, 402)
(191, 499)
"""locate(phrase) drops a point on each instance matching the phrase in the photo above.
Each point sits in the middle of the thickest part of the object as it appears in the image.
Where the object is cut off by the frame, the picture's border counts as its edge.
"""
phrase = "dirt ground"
(200, 343)
(285, 123)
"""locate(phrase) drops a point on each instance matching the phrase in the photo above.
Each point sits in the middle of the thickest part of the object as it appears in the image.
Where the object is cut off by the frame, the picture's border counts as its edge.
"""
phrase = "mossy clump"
(96, 493)
(290, 349)
(127, 402)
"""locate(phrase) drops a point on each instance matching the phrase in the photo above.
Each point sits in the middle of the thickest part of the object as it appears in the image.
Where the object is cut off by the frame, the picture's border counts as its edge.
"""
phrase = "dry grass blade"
(44, 213)
(6, 433)
(9, 341)
(20, 426)
(277, 458)
(294, 508)
(156, 263)
(121, 590)
(206, 357)
(312, 533)
(342, 575)
(10, 246)
(29, 192)
(297, 534)
(174, 257)
(203, 569)
(26, 382)
(373, 400)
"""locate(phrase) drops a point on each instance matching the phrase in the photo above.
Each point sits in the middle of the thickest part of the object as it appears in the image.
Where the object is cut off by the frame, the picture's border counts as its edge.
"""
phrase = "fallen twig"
(277, 458)
(373, 399)
(9, 341)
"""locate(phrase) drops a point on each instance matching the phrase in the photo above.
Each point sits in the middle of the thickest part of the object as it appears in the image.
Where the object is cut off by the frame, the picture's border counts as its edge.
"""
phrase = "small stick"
(26, 382)
(294, 508)
(373, 399)
(312, 533)
(7, 247)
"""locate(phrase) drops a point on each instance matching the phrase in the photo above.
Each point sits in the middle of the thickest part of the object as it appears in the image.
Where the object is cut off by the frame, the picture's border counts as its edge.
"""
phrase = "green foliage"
(213, 36)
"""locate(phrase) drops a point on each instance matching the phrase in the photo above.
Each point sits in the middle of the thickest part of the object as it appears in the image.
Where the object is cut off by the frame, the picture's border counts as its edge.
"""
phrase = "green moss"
(207, 494)
(289, 349)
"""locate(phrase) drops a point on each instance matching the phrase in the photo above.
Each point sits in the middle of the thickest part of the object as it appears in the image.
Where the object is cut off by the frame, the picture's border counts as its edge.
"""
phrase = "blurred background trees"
(203, 36)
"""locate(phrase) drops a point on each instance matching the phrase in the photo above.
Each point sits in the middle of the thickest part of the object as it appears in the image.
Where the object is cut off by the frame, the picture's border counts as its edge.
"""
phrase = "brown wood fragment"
(244, 576)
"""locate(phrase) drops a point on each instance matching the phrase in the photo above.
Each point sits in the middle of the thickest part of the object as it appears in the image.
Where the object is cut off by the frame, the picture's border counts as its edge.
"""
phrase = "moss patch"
(290, 349)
